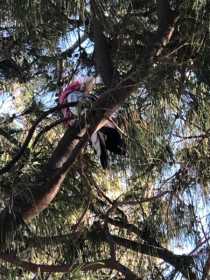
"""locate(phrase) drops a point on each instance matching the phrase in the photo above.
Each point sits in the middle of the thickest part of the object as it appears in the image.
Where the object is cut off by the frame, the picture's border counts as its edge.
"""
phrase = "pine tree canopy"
(146, 217)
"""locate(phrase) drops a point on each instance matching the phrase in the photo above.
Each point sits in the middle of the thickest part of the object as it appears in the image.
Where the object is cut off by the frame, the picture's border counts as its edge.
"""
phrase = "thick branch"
(166, 24)
(65, 268)
(182, 263)
(164, 14)
(32, 201)
(102, 50)
(35, 199)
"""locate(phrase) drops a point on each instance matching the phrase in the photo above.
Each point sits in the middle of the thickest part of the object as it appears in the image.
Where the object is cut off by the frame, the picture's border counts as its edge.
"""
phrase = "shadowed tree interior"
(61, 215)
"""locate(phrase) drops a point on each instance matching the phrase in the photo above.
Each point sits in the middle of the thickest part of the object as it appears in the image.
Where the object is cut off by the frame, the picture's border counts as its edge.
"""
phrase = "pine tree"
(64, 217)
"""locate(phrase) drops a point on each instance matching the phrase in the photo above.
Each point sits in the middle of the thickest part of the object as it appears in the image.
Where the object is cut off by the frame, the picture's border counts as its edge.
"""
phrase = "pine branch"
(66, 268)
(103, 58)
(36, 198)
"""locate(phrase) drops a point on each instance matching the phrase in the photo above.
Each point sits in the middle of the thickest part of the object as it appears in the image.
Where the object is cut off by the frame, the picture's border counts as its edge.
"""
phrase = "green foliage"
(162, 184)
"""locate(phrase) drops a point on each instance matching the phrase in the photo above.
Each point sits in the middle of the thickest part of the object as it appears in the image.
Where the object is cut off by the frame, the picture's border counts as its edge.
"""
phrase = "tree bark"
(33, 200)
(66, 268)
(182, 263)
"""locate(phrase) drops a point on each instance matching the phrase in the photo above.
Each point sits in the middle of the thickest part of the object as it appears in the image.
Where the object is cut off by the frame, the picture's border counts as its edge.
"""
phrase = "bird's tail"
(113, 140)
(98, 144)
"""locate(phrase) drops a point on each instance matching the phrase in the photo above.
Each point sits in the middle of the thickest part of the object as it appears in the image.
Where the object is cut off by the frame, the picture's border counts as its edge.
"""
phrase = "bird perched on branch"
(103, 139)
